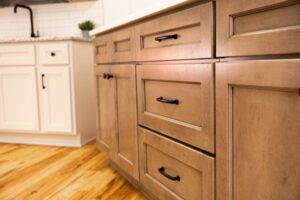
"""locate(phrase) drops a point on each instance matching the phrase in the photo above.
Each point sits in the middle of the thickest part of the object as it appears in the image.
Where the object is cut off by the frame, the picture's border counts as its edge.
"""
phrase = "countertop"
(152, 10)
(44, 39)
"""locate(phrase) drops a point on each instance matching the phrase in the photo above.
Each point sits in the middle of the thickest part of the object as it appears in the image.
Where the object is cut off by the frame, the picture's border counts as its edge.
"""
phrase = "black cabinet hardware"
(169, 101)
(104, 75)
(52, 54)
(166, 37)
(173, 178)
(43, 81)
(109, 76)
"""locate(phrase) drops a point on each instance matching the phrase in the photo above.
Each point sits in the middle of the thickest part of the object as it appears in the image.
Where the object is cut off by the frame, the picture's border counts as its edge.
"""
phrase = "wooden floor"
(39, 172)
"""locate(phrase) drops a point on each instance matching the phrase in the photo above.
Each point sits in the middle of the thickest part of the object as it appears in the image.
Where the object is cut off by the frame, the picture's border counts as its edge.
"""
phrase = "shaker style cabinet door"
(18, 99)
(55, 99)
(117, 115)
(258, 27)
(258, 130)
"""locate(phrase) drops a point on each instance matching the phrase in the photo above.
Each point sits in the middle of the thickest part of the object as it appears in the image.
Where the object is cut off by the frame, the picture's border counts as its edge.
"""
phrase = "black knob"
(104, 76)
(52, 54)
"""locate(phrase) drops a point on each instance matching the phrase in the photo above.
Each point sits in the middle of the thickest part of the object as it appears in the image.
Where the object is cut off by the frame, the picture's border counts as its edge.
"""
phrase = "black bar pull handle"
(43, 81)
(166, 37)
(173, 178)
(169, 101)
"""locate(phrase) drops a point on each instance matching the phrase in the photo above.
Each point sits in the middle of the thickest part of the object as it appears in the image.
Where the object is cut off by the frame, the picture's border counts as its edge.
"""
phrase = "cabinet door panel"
(118, 115)
(18, 99)
(55, 94)
(106, 109)
(125, 142)
(258, 140)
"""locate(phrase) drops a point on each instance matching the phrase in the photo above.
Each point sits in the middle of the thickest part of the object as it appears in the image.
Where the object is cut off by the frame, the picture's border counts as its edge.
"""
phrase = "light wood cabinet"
(117, 111)
(18, 99)
(218, 88)
(257, 28)
(258, 140)
(55, 99)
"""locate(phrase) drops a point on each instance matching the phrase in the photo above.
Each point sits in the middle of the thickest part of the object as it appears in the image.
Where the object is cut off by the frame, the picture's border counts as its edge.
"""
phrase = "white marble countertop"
(155, 9)
(44, 39)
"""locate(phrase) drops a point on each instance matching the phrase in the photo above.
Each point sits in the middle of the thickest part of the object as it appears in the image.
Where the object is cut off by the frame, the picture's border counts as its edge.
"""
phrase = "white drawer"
(17, 54)
(54, 54)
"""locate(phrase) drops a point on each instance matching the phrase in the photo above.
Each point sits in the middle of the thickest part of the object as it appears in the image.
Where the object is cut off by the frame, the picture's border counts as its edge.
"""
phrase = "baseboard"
(41, 139)
(88, 140)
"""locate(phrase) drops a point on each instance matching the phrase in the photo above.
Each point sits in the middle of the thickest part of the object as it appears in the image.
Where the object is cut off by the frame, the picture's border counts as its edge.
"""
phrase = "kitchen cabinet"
(47, 94)
(117, 111)
(258, 140)
(18, 99)
(55, 99)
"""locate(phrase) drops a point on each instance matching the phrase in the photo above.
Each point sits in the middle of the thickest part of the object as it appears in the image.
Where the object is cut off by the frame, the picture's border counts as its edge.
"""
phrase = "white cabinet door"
(18, 99)
(55, 99)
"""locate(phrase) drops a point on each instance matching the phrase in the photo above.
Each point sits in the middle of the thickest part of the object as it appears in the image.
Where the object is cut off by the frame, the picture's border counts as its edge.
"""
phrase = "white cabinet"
(55, 99)
(47, 93)
(18, 99)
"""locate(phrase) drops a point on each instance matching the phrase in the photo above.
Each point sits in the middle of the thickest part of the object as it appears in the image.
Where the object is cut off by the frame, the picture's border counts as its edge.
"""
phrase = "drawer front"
(258, 28)
(54, 54)
(122, 42)
(177, 100)
(17, 54)
(102, 49)
(182, 35)
(172, 175)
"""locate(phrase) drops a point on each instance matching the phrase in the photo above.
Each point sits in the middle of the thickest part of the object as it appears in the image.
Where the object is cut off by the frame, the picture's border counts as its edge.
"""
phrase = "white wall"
(51, 20)
(114, 10)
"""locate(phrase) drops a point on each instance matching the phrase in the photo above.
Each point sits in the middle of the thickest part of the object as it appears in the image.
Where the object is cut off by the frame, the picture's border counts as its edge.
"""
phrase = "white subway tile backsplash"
(51, 20)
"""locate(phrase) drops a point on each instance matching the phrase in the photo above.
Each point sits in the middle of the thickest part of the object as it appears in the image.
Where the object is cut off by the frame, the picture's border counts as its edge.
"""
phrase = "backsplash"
(51, 20)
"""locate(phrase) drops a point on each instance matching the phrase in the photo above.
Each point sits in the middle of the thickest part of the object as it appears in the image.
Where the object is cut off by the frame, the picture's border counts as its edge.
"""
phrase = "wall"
(116, 9)
(51, 20)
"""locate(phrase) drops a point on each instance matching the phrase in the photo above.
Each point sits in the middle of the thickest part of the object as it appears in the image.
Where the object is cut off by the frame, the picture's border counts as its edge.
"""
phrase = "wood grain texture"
(257, 137)
(42, 172)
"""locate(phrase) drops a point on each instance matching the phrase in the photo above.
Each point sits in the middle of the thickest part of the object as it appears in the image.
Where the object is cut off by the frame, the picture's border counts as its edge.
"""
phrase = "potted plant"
(86, 27)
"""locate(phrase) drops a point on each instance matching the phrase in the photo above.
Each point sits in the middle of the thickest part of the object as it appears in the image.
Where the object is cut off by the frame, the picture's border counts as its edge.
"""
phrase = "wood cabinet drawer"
(177, 100)
(54, 54)
(101, 49)
(185, 34)
(258, 28)
(117, 46)
(170, 170)
(17, 54)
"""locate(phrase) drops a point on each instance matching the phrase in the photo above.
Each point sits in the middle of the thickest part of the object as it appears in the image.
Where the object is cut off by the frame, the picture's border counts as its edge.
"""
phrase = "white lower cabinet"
(18, 99)
(55, 99)
(47, 93)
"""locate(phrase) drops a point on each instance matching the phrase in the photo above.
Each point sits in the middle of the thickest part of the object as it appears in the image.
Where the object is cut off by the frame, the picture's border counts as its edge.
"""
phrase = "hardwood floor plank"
(43, 172)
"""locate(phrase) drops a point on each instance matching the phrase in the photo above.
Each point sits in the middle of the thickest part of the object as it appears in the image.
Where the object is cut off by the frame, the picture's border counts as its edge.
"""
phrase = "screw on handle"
(169, 101)
(173, 178)
(166, 37)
